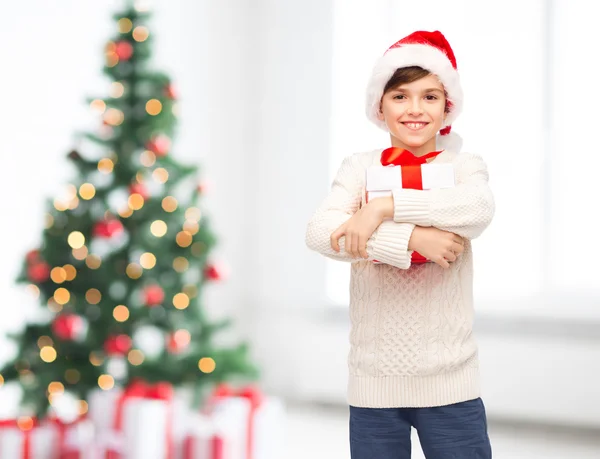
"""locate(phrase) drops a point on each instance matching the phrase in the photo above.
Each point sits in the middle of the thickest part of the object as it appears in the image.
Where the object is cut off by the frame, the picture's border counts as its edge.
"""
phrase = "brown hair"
(405, 75)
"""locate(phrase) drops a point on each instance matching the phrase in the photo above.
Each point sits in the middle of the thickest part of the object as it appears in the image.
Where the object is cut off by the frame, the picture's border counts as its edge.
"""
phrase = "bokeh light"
(181, 301)
(106, 382)
(48, 354)
(207, 365)
(158, 228)
(76, 240)
(148, 260)
(121, 313)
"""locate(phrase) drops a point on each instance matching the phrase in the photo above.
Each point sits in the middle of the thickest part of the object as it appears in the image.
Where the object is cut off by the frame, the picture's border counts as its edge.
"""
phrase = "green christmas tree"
(125, 255)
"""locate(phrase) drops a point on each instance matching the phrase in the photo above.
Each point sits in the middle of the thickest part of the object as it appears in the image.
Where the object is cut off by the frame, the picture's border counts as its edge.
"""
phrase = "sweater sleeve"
(466, 209)
(388, 244)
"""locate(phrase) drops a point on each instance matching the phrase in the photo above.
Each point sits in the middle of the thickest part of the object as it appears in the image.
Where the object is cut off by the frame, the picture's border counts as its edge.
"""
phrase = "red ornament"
(68, 327)
(214, 272)
(32, 256)
(159, 145)
(117, 345)
(38, 272)
(178, 342)
(170, 91)
(107, 228)
(124, 50)
(139, 189)
(154, 295)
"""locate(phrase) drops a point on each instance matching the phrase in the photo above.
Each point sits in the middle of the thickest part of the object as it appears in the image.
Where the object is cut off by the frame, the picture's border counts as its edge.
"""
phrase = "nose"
(415, 107)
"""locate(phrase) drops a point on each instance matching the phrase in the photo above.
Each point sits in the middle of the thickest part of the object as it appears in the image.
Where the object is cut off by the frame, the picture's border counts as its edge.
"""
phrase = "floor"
(322, 433)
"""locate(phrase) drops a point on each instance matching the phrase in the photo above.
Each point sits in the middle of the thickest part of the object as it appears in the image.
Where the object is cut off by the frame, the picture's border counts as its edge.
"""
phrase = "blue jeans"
(457, 431)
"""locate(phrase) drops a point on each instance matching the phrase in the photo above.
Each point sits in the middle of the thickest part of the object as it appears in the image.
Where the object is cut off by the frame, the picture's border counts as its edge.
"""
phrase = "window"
(522, 113)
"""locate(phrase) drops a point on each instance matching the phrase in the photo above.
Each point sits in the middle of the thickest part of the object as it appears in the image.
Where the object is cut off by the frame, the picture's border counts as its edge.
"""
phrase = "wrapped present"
(134, 423)
(77, 439)
(401, 169)
(27, 439)
(212, 437)
(246, 424)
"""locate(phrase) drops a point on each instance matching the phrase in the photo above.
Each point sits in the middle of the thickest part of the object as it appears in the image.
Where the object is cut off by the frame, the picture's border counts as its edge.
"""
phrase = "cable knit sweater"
(411, 326)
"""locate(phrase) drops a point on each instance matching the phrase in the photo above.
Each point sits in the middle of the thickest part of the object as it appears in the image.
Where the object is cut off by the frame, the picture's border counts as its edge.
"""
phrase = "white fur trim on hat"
(424, 56)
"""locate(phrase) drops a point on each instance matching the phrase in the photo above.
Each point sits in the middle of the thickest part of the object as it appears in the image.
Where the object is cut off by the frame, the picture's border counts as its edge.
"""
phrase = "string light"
(125, 25)
(93, 261)
(106, 166)
(83, 407)
(98, 106)
(76, 240)
(121, 313)
(44, 341)
(158, 228)
(206, 365)
(25, 423)
(70, 271)
(135, 357)
(106, 382)
(169, 204)
(56, 387)
(161, 175)
(135, 201)
(87, 191)
(184, 239)
(48, 354)
(116, 89)
(153, 107)
(134, 271)
(72, 376)
(148, 158)
(148, 260)
(80, 253)
(190, 290)
(58, 275)
(62, 296)
(181, 264)
(181, 301)
(193, 213)
(114, 117)
(96, 359)
(126, 213)
(191, 226)
(140, 33)
(34, 289)
(93, 296)
(48, 221)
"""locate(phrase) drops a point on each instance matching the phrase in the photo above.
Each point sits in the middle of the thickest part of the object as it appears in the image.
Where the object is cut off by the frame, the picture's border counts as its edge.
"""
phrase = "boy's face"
(414, 113)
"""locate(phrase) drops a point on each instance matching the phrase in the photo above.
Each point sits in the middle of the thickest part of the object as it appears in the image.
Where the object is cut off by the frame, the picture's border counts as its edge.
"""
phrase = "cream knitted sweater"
(411, 326)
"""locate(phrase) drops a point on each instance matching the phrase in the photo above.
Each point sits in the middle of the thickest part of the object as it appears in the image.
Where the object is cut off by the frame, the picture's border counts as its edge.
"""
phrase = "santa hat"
(428, 50)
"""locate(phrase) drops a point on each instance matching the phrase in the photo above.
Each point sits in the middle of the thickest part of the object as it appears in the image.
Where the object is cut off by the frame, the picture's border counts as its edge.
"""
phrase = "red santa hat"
(428, 50)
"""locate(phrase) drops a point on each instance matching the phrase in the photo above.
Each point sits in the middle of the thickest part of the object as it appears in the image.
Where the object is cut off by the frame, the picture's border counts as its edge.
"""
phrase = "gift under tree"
(126, 252)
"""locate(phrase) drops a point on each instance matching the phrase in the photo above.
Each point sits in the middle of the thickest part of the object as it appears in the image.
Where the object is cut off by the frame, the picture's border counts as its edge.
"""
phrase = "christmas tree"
(125, 253)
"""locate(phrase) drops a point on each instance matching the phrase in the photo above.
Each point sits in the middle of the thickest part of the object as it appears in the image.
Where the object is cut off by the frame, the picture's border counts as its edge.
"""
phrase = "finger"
(450, 256)
(458, 249)
(458, 240)
(334, 240)
(354, 245)
(443, 263)
(362, 247)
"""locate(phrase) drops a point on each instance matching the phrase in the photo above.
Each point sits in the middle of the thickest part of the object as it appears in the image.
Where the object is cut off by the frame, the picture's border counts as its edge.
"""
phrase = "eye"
(399, 96)
(431, 97)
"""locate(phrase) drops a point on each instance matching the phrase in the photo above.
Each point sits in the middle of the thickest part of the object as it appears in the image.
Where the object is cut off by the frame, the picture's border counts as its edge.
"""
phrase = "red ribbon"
(141, 389)
(411, 174)
(12, 423)
(216, 447)
(255, 397)
(62, 435)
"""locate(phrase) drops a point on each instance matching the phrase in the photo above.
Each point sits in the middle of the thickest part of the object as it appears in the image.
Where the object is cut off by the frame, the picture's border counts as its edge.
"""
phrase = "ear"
(380, 113)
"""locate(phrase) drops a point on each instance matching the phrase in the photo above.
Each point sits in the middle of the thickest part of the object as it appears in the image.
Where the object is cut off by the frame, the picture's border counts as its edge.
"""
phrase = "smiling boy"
(413, 360)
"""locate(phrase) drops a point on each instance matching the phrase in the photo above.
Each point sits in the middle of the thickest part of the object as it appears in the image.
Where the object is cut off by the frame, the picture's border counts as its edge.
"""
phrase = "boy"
(413, 360)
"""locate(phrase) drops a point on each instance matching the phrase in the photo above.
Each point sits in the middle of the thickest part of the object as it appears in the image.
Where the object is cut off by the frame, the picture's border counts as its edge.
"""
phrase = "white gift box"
(79, 441)
(232, 419)
(145, 425)
(381, 180)
(211, 438)
(43, 443)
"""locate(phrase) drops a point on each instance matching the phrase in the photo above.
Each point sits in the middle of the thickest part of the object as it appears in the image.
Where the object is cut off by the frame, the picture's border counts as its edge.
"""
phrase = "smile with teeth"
(415, 126)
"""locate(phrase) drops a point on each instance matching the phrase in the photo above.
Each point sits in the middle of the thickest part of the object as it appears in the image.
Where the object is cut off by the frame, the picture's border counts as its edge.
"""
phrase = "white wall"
(255, 79)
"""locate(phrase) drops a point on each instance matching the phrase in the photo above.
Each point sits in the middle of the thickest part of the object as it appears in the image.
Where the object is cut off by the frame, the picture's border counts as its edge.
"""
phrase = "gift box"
(78, 440)
(242, 424)
(400, 169)
(28, 439)
(134, 423)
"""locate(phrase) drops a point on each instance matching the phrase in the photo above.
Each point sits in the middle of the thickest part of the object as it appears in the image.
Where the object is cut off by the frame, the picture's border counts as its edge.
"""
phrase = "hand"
(441, 247)
(358, 229)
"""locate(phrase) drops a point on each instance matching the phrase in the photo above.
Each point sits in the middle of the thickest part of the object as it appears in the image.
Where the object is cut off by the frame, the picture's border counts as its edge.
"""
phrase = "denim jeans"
(457, 431)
